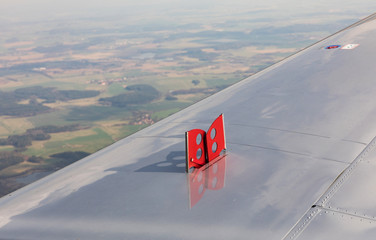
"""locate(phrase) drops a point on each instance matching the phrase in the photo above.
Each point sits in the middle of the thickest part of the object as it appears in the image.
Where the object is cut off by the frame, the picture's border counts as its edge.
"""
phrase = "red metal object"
(215, 139)
(195, 148)
(202, 147)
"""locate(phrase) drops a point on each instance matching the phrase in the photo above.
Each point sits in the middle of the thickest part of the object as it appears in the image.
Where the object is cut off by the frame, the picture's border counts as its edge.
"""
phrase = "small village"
(107, 82)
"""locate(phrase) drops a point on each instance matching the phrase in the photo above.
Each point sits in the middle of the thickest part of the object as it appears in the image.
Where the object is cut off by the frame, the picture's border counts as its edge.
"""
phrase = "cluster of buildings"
(105, 82)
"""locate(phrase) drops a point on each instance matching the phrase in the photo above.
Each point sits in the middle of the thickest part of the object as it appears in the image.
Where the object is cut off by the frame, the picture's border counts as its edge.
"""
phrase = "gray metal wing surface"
(300, 162)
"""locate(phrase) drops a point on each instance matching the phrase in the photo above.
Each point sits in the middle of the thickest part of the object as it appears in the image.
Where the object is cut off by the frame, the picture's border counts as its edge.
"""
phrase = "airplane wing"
(300, 162)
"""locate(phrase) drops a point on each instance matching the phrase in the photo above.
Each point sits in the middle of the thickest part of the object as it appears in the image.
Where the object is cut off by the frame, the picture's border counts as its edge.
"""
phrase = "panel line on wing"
(344, 212)
(319, 210)
(290, 152)
(300, 133)
(299, 227)
(282, 130)
(172, 136)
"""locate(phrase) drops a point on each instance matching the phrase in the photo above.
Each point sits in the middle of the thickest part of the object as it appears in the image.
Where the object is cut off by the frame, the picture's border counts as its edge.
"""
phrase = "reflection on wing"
(211, 176)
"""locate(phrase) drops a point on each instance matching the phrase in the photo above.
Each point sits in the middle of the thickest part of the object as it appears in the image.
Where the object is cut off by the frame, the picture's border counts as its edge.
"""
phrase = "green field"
(57, 73)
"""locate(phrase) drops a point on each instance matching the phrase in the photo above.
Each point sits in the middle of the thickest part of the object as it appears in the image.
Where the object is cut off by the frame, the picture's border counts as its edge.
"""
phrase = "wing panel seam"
(304, 221)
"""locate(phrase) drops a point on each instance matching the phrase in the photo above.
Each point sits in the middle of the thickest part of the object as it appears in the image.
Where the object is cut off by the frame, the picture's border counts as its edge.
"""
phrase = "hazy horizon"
(39, 10)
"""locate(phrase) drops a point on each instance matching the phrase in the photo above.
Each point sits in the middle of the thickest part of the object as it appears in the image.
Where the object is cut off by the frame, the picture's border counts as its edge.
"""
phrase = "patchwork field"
(67, 92)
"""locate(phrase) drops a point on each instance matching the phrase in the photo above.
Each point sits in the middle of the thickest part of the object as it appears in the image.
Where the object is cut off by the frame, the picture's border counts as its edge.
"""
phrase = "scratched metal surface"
(291, 130)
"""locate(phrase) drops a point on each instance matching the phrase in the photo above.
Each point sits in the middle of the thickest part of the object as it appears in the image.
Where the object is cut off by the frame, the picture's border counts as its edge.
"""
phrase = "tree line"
(10, 106)
(36, 134)
(137, 94)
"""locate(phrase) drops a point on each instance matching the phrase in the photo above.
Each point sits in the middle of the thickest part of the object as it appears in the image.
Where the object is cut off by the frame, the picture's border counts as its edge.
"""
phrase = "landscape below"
(71, 87)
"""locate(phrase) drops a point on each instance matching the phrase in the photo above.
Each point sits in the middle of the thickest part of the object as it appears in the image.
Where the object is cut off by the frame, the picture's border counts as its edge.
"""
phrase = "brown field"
(18, 44)
(108, 58)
